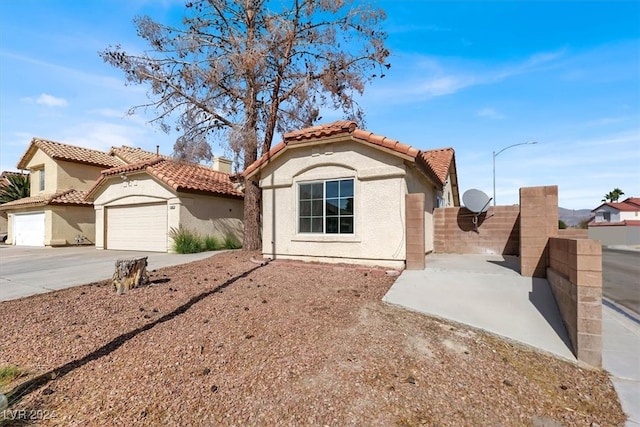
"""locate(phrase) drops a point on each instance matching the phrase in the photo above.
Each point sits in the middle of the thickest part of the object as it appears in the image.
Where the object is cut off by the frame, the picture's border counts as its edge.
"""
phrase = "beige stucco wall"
(60, 175)
(38, 161)
(3, 222)
(200, 213)
(216, 216)
(379, 209)
(76, 176)
(69, 222)
(447, 194)
(61, 224)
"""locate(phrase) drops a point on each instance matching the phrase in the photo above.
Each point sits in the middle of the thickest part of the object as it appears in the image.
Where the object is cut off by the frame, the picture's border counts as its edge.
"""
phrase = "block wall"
(538, 222)
(574, 233)
(415, 231)
(575, 276)
(498, 231)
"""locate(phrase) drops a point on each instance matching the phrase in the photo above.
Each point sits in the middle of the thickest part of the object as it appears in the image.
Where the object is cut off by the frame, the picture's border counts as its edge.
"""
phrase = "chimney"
(222, 164)
(157, 151)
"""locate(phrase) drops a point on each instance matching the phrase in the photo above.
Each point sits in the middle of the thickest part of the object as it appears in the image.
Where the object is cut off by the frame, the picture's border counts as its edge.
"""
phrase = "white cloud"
(431, 77)
(605, 121)
(444, 85)
(51, 101)
(489, 113)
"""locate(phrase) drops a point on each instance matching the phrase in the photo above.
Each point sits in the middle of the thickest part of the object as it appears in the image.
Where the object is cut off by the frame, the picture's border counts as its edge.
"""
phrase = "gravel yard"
(224, 341)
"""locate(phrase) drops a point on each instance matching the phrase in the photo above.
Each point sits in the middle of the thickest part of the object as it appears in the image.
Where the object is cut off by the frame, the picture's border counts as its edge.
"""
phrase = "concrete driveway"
(27, 271)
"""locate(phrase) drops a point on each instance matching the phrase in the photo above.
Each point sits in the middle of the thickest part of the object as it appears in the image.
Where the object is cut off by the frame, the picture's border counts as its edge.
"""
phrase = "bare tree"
(242, 70)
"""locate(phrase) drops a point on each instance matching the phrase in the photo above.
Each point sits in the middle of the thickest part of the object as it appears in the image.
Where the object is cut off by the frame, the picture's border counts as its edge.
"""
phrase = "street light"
(494, 164)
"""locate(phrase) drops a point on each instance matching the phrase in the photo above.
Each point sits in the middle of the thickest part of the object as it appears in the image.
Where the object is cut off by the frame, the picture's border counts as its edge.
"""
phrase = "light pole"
(494, 164)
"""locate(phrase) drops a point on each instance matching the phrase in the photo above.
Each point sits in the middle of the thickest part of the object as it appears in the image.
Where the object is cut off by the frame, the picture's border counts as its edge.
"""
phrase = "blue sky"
(477, 76)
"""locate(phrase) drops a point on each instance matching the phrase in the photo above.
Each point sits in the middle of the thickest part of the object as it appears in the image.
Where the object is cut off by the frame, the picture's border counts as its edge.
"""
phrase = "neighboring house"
(4, 182)
(616, 223)
(56, 213)
(336, 193)
(137, 205)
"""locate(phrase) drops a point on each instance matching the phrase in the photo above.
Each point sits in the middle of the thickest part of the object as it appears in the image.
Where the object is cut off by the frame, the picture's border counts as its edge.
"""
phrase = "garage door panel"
(28, 229)
(137, 228)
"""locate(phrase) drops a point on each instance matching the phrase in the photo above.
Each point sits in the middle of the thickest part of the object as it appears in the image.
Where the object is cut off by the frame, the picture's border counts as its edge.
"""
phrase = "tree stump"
(129, 274)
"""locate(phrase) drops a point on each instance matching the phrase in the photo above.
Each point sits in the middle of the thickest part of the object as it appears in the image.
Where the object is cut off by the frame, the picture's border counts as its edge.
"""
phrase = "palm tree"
(18, 187)
(613, 196)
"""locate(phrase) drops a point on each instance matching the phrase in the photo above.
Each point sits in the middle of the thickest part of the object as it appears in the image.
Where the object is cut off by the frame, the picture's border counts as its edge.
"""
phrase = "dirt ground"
(225, 341)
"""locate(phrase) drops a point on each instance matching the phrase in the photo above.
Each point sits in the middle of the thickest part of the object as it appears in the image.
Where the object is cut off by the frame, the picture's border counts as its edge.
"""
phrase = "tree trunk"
(130, 273)
(252, 202)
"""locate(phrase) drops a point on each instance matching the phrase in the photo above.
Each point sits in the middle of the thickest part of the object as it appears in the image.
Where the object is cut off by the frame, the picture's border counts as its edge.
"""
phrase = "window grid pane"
(326, 207)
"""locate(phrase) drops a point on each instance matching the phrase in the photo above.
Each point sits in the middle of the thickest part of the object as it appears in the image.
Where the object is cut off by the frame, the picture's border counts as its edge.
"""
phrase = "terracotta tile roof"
(179, 176)
(435, 163)
(438, 162)
(66, 197)
(321, 131)
(70, 153)
(132, 154)
(632, 204)
(632, 201)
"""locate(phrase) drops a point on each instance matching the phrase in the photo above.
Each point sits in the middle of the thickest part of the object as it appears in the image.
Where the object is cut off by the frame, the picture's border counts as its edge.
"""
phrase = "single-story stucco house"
(337, 193)
(137, 205)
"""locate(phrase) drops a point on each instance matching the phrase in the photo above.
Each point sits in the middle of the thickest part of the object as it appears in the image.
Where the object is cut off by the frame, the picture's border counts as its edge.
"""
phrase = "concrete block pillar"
(538, 222)
(585, 270)
(415, 252)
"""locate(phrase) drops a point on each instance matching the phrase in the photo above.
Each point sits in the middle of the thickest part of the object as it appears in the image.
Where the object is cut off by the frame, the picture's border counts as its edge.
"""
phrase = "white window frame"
(41, 178)
(324, 208)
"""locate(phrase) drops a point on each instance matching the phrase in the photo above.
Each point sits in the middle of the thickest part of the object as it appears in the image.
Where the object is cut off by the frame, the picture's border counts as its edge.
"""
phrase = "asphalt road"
(621, 277)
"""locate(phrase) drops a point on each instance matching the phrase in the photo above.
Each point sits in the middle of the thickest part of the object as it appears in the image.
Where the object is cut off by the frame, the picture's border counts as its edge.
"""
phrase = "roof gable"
(69, 153)
(436, 164)
(179, 176)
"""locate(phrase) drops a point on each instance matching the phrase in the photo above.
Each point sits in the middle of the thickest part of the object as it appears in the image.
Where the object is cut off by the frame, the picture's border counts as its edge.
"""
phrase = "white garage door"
(28, 229)
(137, 228)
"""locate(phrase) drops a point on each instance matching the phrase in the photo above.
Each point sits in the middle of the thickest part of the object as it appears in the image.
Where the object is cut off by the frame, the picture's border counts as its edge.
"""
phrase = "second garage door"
(28, 229)
(137, 228)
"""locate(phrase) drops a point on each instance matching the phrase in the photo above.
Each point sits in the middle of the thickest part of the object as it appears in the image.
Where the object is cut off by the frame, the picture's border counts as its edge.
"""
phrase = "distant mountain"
(573, 217)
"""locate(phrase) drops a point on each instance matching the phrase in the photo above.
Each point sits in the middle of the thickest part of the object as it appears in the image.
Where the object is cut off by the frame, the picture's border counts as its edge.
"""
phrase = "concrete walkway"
(487, 292)
(26, 271)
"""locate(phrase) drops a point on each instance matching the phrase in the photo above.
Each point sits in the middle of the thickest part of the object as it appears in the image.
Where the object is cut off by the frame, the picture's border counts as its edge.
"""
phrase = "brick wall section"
(414, 204)
(538, 222)
(498, 231)
(574, 233)
(575, 276)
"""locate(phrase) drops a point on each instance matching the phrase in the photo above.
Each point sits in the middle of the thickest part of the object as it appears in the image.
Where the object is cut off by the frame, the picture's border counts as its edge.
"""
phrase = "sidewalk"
(621, 358)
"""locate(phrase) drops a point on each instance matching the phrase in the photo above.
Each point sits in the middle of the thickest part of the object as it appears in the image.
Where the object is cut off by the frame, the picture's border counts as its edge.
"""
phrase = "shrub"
(9, 373)
(185, 241)
(211, 243)
(230, 242)
(188, 242)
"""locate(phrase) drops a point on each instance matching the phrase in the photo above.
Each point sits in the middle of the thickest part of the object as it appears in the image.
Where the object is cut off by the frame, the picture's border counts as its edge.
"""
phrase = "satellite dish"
(476, 201)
